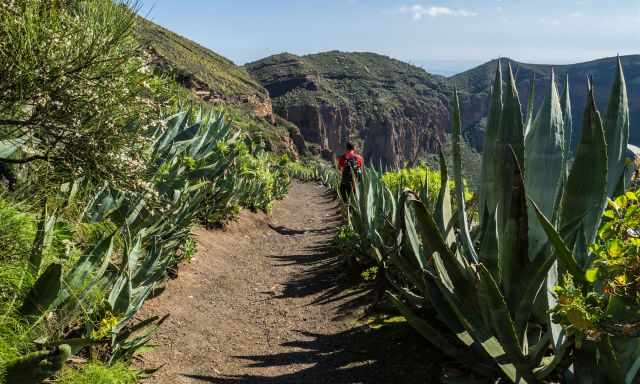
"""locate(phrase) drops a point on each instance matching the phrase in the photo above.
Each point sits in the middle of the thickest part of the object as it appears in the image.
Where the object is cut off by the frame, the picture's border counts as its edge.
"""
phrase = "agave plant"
(151, 225)
(372, 213)
(487, 284)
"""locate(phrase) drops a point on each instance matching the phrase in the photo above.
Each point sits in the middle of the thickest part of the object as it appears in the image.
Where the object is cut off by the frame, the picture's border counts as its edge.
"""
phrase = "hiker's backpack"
(351, 170)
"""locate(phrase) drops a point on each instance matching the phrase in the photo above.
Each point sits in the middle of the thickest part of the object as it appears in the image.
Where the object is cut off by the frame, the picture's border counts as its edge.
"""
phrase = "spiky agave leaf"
(512, 210)
(530, 105)
(488, 176)
(565, 103)
(616, 126)
(443, 210)
(584, 199)
(44, 291)
(544, 164)
(463, 224)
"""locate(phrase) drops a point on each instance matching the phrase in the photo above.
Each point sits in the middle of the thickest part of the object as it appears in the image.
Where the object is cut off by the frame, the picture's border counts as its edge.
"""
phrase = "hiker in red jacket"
(351, 166)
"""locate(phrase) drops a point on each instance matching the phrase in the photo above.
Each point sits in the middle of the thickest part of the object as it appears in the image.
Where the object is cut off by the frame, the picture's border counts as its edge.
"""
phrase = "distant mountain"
(396, 111)
(475, 85)
(218, 81)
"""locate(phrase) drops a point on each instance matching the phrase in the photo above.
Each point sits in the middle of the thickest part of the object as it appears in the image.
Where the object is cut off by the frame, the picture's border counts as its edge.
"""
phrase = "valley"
(397, 113)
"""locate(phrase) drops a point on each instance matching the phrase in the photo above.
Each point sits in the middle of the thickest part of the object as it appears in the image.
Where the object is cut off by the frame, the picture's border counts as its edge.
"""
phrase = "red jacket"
(349, 155)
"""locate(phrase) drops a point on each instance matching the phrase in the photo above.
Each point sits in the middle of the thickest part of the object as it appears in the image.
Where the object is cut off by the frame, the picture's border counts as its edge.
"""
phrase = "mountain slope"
(396, 111)
(218, 81)
(476, 83)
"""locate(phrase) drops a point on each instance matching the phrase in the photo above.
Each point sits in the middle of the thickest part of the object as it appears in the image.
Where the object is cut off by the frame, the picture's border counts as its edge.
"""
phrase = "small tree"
(71, 82)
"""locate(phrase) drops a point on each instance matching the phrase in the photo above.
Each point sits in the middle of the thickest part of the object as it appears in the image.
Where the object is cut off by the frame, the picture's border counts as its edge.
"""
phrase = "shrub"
(97, 373)
(71, 83)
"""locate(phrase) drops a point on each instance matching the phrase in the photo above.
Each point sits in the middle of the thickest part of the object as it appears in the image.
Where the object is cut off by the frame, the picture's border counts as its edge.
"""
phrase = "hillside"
(397, 112)
(476, 83)
(218, 81)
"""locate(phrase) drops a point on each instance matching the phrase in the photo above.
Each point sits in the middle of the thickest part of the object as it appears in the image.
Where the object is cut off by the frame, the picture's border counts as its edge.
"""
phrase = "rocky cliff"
(395, 111)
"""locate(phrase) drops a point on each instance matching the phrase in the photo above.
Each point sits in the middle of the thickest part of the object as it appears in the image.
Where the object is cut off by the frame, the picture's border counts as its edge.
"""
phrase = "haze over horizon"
(444, 37)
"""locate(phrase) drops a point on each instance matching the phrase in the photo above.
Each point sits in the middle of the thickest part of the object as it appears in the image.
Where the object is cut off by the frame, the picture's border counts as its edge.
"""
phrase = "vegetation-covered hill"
(396, 110)
(476, 84)
(217, 80)
(194, 63)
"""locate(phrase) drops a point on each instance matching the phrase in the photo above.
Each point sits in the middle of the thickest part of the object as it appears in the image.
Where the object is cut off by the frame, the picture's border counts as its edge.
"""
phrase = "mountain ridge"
(397, 112)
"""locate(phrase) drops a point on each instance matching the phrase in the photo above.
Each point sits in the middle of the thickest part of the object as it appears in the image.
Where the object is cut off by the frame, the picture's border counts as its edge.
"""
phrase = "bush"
(17, 231)
(419, 179)
(71, 83)
(97, 373)
(610, 292)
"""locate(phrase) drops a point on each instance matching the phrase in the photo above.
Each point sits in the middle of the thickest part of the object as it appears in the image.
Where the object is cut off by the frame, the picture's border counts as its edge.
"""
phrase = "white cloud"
(418, 12)
(575, 14)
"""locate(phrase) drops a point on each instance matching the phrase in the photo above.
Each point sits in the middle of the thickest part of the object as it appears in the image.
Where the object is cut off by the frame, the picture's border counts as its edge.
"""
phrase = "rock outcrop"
(395, 111)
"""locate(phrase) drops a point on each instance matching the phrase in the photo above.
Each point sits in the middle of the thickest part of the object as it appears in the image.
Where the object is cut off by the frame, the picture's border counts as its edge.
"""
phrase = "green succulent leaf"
(488, 177)
(544, 165)
(565, 102)
(616, 128)
(585, 195)
(44, 292)
(442, 209)
(463, 224)
(562, 251)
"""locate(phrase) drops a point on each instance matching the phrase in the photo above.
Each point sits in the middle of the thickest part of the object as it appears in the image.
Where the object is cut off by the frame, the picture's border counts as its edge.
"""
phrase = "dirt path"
(261, 303)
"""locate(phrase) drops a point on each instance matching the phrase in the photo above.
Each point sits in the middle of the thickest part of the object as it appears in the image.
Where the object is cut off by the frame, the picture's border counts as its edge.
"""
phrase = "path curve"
(261, 302)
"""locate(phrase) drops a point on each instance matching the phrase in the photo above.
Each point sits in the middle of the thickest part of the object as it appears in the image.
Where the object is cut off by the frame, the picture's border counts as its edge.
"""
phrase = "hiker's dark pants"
(346, 189)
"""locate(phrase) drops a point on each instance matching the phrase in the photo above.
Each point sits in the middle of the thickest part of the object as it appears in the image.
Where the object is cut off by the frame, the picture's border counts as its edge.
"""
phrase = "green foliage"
(209, 80)
(315, 171)
(15, 340)
(113, 190)
(578, 312)
(253, 179)
(97, 373)
(421, 179)
(370, 274)
(265, 177)
(616, 263)
(17, 231)
(72, 84)
(345, 240)
(613, 273)
(101, 261)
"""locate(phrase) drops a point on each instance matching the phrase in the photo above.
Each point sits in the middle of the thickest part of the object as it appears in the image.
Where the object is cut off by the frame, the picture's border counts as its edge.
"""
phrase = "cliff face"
(475, 86)
(396, 112)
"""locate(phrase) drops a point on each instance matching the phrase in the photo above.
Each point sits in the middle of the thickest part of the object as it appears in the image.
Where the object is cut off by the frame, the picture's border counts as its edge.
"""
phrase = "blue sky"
(443, 36)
